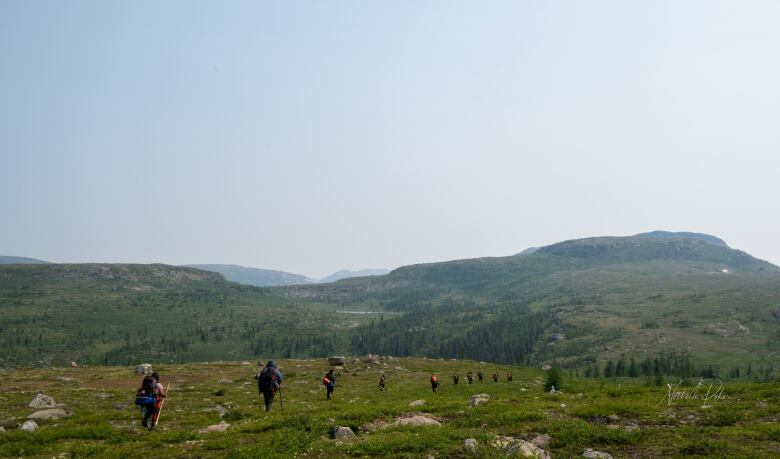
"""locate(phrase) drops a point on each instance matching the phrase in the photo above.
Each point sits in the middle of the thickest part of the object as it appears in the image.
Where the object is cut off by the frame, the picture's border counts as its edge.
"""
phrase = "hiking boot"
(144, 423)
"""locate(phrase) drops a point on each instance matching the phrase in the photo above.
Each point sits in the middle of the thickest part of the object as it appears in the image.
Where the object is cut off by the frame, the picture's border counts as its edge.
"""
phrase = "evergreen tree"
(554, 380)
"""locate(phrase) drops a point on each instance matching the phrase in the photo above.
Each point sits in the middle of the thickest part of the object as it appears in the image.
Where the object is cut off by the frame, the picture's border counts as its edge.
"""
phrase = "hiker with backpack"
(330, 384)
(509, 376)
(434, 382)
(455, 379)
(495, 377)
(269, 380)
(382, 383)
(148, 398)
(470, 377)
(480, 375)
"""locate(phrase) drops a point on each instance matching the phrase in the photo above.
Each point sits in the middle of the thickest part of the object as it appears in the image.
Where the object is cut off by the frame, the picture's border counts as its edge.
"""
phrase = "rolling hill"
(347, 274)
(255, 276)
(577, 304)
(8, 260)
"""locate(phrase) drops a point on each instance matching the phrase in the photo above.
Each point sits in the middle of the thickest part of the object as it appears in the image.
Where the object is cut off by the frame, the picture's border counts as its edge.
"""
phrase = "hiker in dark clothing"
(480, 375)
(382, 383)
(269, 380)
(148, 397)
(434, 382)
(509, 377)
(495, 377)
(470, 377)
(330, 383)
(455, 379)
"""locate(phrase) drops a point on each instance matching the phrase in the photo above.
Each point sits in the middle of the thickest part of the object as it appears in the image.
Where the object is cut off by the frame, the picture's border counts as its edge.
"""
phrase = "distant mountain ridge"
(255, 276)
(346, 274)
(9, 260)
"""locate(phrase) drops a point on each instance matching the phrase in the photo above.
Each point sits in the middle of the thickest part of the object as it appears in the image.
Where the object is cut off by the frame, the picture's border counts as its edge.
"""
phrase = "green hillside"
(682, 301)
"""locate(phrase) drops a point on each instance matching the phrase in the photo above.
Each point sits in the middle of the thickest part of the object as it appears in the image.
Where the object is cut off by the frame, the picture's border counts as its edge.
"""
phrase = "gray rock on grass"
(42, 401)
(48, 415)
(29, 426)
(143, 369)
(342, 432)
(517, 447)
(479, 399)
(593, 454)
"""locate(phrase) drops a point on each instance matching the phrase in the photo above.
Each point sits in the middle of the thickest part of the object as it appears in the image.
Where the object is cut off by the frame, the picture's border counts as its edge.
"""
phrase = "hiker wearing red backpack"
(434, 383)
(330, 383)
(148, 398)
(268, 382)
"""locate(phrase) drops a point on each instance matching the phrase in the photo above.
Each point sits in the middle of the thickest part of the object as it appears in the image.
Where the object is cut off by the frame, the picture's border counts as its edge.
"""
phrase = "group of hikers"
(151, 395)
(469, 378)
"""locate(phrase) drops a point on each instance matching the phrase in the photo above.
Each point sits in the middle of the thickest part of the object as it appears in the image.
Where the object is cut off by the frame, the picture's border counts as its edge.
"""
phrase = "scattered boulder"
(516, 447)
(143, 369)
(546, 367)
(47, 415)
(341, 432)
(479, 399)
(74, 365)
(103, 395)
(119, 406)
(613, 418)
(29, 426)
(417, 420)
(2, 429)
(226, 381)
(470, 443)
(221, 427)
(42, 401)
(409, 419)
(728, 330)
(337, 361)
(589, 452)
(417, 403)
(219, 409)
(541, 440)
(64, 379)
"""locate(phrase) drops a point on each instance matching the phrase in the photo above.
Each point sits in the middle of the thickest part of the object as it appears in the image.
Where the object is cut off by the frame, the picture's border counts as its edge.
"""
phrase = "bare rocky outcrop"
(479, 399)
(221, 427)
(517, 447)
(541, 440)
(337, 361)
(593, 454)
(417, 403)
(143, 369)
(470, 444)
(408, 419)
(728, 330)
(29, 426)
(341, 432)
(42, 401)
(47, 415)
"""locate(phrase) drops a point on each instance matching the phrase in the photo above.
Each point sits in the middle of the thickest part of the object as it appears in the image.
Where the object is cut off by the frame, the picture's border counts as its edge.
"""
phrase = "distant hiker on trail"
(480, 375)
(330, 383)
(434, 382)
(470, 377)
(509, 376)
(147, 398)
(269, 380)
(495, 377)
(455, 379)
(382, 383)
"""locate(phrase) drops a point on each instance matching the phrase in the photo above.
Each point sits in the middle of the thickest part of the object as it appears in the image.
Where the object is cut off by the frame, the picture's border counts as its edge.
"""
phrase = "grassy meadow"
(622, 417)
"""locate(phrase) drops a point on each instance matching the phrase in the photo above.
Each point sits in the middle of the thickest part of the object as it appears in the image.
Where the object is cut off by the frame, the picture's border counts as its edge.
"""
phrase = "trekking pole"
(162, 402)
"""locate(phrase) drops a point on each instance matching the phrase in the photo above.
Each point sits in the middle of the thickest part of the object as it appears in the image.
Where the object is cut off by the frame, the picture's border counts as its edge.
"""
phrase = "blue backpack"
(145, 395)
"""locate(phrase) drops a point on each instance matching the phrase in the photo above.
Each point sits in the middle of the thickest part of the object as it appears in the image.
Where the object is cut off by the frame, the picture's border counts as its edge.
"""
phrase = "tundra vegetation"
(624, 417)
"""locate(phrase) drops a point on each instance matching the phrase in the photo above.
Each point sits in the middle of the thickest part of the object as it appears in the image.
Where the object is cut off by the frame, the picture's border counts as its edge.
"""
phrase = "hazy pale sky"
(314, 136)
